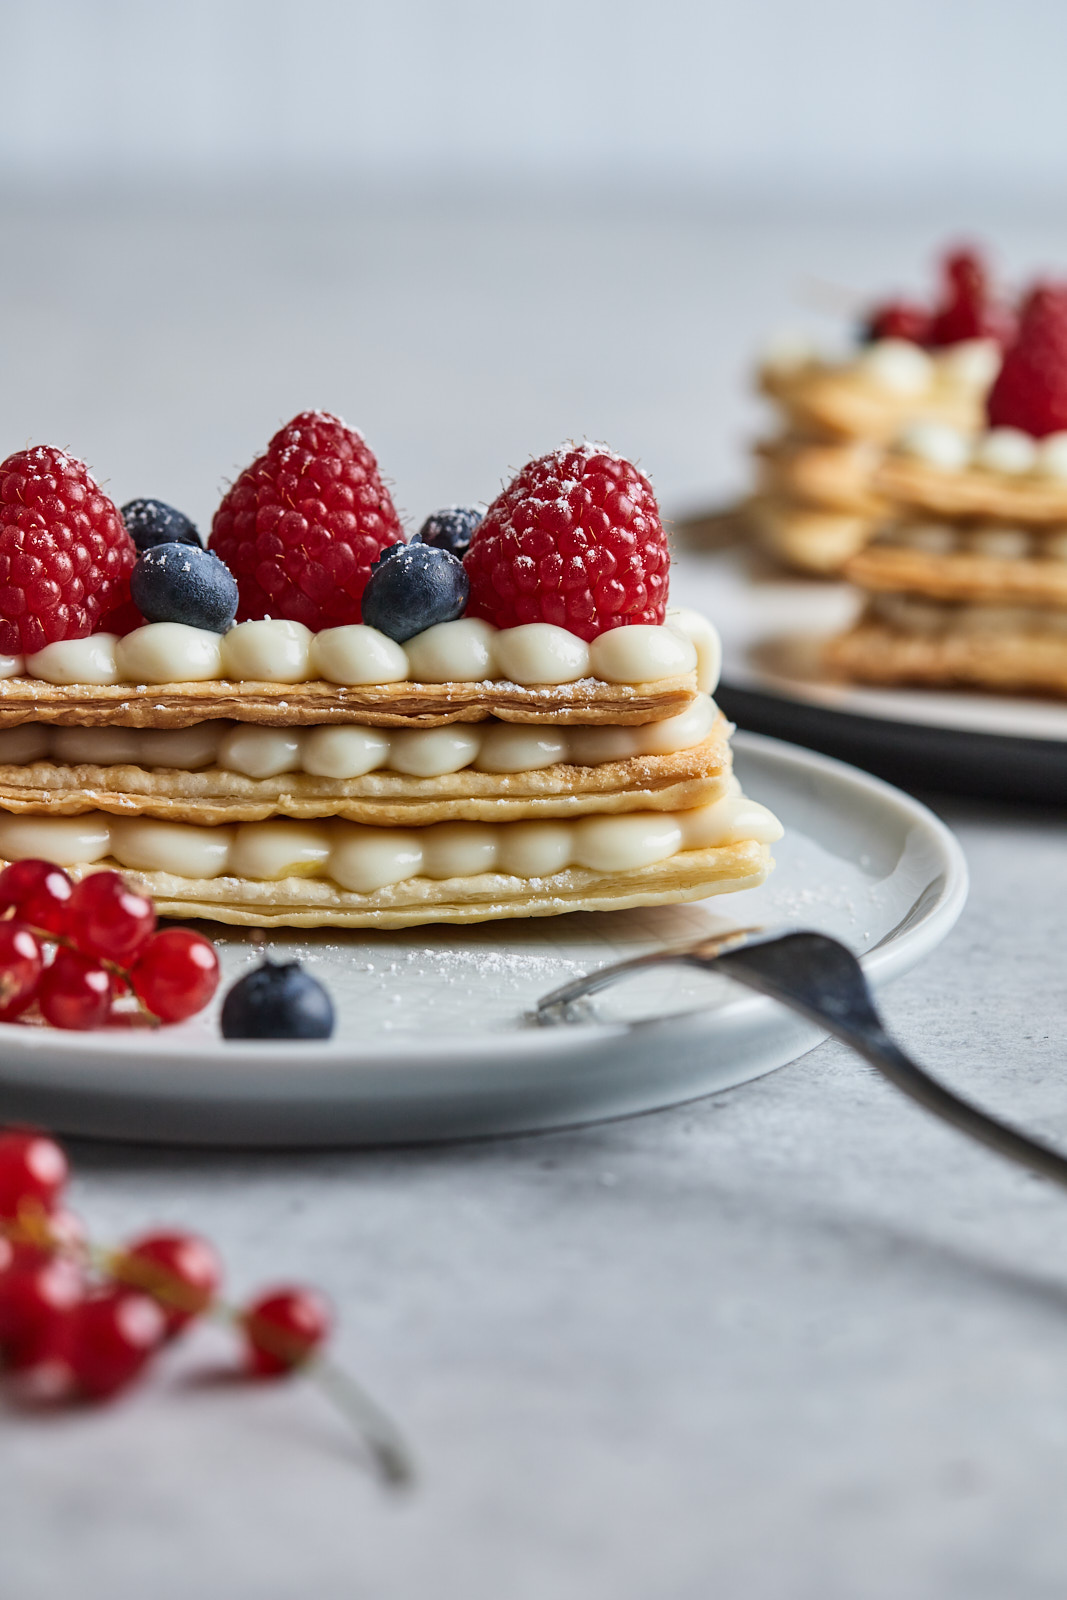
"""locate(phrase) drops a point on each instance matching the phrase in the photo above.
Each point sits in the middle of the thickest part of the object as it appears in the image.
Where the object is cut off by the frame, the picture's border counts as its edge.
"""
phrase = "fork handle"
(858, 1025)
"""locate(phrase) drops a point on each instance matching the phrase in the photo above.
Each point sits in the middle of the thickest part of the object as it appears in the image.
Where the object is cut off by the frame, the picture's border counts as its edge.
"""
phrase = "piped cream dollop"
(897, 365)
(168, 652)
(91, 660)
(936, 443)
(273, 650)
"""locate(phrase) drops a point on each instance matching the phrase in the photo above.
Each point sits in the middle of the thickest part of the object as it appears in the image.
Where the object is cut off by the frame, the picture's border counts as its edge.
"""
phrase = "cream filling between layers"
(465, 651)
(351, 752)
(362, 858)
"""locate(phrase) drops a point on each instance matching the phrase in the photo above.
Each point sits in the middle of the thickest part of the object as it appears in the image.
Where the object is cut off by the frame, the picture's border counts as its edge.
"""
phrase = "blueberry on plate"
(450, 528)
(277, 1001)
(412, 587)
(151, 522)
(183, 583)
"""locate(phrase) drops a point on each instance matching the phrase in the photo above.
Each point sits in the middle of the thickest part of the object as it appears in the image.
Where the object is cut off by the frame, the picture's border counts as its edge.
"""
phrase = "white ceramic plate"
(432, 1040)
(994, 746)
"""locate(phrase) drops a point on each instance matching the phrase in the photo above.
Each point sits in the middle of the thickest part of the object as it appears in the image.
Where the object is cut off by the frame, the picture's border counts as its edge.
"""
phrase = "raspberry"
(897, 319)
(1031, 390)
(302, 525)
(575, 540)
(968, 309)
(65, 555)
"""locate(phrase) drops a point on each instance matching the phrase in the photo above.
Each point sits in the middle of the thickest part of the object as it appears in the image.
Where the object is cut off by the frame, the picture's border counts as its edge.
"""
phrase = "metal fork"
(822, 980)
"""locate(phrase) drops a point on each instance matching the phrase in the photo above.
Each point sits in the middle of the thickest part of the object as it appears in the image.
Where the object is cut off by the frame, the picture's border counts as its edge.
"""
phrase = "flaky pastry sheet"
(390, 705)
(675, 782)
(1006, 662)
(831, 476)
(960, 575)
(972, 492)
(316, 902)
(846, 401)
(805, 537)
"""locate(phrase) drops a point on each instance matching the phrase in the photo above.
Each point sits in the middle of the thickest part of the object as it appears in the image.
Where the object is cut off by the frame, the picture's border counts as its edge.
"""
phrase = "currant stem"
(375, 1427)
(370, 1421)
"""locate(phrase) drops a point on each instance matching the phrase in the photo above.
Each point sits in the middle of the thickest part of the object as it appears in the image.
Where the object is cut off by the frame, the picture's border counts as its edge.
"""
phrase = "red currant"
(108, 919)
(283, 1329)
(21, 965)
(179, 1270)
(177, 974)
(74, 992)
(40, 893)
(33, 1171)
(112, 1337)
(31, 1301)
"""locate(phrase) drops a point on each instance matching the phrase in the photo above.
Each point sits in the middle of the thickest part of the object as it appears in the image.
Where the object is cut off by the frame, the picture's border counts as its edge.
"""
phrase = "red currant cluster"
(104, 947)
(78, 1323)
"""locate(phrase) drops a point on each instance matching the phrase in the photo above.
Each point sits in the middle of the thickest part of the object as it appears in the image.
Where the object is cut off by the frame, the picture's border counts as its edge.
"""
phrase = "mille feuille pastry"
(520, 732)
(817, 500)
(967, 582)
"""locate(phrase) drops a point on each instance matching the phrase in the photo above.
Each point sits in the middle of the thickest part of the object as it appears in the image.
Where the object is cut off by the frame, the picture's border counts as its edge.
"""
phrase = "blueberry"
(451, 528)
(277, 1002)
(411, 587)
(150, 522)
(177, 583)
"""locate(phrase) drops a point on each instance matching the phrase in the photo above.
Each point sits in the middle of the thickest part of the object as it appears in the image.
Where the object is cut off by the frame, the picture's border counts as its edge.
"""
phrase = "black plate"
(988, 766)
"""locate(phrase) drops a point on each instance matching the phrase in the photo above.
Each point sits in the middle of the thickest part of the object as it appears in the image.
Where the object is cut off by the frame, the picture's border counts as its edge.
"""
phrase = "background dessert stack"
(816, 502)
(966, 583)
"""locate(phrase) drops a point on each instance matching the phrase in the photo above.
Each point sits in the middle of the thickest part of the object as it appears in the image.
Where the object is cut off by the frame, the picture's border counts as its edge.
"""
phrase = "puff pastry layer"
(834, 476)
(972, 492)
(314, 903)
(847, 402)
(391, 705)
(674, 782)
(807, 537)
(960, 575)
(1010, 662)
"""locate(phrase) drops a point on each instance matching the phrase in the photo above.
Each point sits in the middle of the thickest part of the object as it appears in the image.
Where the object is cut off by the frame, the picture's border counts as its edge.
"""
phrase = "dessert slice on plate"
(319, 724)
(967, 582)
(817, 500)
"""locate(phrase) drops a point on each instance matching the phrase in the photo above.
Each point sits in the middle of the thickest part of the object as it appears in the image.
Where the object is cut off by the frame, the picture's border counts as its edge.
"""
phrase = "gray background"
(794, 1342)
(820, 96)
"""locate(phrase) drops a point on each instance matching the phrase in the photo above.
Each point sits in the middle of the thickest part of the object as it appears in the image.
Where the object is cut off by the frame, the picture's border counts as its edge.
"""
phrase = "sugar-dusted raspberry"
(576, 540)
(302, 525)
(65, 555)
(969, 307)
(1030, 392)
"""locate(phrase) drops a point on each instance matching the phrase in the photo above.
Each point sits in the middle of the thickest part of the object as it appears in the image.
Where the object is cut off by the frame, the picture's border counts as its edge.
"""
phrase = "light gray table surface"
(793, 1342)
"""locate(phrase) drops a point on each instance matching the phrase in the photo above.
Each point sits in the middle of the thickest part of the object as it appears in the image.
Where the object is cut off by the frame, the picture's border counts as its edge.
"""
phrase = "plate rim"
(757, 587)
